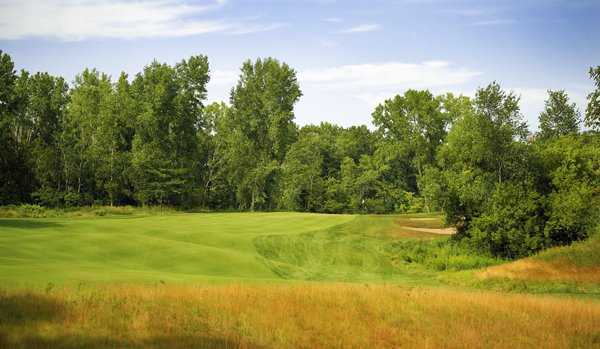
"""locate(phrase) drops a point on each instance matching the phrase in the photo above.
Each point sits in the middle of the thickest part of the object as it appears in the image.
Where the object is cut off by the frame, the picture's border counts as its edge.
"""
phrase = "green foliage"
(559, 116)
(37, 211)
(302, 184)
(572, 168)
(416, 124)
(165, 146)
(511, 224)
(483, 148)
(16, 175)
(258, 130)
(513, 198)
(592, 112)
(431, 187)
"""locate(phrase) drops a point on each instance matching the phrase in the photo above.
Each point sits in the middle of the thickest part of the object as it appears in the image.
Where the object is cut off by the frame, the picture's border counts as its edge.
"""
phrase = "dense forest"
(151, 140)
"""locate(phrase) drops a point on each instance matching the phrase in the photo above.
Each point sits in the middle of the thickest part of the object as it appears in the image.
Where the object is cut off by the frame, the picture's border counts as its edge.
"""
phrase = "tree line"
(151, 140)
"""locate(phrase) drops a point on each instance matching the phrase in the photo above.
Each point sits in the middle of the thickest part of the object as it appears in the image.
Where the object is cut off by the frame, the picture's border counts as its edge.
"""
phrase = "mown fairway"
(182, 247)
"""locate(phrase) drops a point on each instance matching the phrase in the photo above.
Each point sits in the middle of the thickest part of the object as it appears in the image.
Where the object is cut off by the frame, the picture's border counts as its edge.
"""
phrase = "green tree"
(82, 145)
(559, 116)
(260, 130)
(114, 137)
(414, 121)
(40, 129)
(431, 187)
(592, 112)
(214, 140)
(16, 178)
(512, 221)
(570, 177)
(302, 181)
(484, 149)
(165, 145)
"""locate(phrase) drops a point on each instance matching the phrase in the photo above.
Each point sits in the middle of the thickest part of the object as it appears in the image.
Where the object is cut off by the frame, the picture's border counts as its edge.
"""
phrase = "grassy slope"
(226, 247)
(573, 269)
(182, 247)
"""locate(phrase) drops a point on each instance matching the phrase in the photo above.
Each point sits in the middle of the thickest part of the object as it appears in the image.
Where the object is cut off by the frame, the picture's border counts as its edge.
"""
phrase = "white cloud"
(388, 75)
(468, 12)
(81, 19)
(328, 43)
(347, 94)
(533, 100)
(249, 28)
(332, 19)
(362, 28)
(224, 77)
(500, 21)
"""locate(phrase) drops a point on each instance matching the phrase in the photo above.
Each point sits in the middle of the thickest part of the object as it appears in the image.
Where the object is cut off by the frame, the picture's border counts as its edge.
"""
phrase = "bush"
(441, 254)
(36, 211)
(512, 223)
(48, 197)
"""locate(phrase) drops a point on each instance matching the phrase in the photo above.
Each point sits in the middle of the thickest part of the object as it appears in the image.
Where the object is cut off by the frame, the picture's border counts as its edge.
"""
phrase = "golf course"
(215, 247)
(370, 194)
(281, 280)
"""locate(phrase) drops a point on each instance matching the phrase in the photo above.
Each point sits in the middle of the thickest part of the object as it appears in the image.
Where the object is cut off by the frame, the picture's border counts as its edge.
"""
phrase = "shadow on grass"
(78, 342)
(27, 308)
(26, 224)
(21, 316)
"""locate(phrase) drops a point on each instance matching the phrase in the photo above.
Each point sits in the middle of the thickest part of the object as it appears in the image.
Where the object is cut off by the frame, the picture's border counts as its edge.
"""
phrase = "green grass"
(572, 270)
(177, 247)
(140, 247)
(225, 247)
(581, 254)
(366, 249)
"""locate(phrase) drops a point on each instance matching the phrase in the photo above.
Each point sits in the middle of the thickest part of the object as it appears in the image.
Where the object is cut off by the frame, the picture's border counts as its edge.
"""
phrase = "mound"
(578, 263)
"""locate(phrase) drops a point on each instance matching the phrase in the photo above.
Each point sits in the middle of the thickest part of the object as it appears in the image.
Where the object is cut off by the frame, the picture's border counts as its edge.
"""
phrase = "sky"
(349, 55)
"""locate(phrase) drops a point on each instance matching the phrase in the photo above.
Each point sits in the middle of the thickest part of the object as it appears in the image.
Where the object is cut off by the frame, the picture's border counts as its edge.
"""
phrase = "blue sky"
(350, 55)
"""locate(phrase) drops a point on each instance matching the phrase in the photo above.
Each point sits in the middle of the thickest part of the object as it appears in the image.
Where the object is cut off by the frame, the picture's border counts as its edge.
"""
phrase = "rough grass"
(36, 211)
(365, 250)
(577, 263)
(573, 269)
(299, 316)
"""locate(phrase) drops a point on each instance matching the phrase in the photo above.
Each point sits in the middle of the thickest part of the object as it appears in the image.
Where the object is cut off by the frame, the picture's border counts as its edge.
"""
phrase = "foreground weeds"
(299, 316)
(36, 211)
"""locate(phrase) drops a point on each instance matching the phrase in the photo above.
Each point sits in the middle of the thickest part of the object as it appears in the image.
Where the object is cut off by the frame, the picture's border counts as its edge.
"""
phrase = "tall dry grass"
(539, 270)
(299, 316)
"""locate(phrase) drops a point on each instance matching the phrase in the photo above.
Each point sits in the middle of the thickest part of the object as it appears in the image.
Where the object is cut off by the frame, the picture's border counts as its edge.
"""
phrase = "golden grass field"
(292, 316)
(537, 270)
(578, 263)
